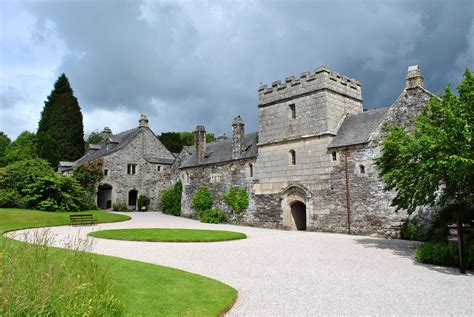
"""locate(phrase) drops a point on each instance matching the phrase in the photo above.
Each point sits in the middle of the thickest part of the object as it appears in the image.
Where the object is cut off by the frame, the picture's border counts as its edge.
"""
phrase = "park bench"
(82, 219)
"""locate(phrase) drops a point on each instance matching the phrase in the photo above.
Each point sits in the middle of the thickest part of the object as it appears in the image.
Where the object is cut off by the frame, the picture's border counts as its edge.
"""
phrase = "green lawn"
(143, 289)
(168, 235)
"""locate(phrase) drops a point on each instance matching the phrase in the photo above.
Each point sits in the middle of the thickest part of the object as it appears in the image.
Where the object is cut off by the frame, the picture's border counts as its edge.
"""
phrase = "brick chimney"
(200, 144)
(143, 120)
(414, 77)
(238, 135)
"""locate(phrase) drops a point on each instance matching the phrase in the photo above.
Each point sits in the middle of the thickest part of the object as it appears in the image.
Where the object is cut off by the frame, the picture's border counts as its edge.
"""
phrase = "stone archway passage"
(132, 198)
(104, 196)
(298, 212)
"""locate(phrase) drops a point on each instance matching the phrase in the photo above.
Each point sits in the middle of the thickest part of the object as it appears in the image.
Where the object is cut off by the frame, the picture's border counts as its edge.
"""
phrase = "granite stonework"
(218, 178)
(309, 167)
(303, 160)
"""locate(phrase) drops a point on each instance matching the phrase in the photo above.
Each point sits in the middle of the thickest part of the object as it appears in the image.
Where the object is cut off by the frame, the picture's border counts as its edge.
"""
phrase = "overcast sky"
(201, 62)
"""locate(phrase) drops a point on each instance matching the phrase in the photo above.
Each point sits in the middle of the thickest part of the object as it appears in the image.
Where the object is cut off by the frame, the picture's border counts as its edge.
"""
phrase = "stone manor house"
(309, 167)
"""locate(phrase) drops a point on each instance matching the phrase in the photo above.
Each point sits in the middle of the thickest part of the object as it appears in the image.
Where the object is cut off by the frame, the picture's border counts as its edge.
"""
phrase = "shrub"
(213, 216)
(238, 200)
(20, 174)
(37, 281)
(202, 200)
(438, 253)
(120, 207)
(9, 198)
(411, 231)
(89, 176)
(53, 193)
(171, 199)
(143, 201)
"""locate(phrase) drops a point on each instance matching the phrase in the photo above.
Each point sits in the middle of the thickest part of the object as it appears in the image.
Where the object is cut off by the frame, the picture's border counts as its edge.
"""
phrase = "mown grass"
(142, 289)
(168, 235)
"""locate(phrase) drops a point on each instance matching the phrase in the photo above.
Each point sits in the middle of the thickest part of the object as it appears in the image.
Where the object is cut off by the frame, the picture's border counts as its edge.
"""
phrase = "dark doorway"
(298, 211)
(132, 198)
(104, 196)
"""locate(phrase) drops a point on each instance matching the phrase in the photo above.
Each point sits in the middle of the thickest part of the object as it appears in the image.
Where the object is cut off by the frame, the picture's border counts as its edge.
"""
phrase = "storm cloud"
(201, 62)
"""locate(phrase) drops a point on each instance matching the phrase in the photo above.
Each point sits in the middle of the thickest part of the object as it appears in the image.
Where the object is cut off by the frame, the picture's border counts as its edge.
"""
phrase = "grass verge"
(168, 235)
(143, 289)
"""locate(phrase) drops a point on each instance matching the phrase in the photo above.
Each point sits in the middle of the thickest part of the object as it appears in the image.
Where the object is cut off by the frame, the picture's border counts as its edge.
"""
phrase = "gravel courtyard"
(288, 273)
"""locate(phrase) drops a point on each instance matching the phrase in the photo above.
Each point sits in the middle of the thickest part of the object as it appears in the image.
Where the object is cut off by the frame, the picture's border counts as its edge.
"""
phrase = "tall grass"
(35, 281)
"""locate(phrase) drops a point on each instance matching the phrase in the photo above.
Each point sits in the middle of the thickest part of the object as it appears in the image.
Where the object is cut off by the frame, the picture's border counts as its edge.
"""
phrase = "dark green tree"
(23, 148)
(4, 142)
(60, 130)
(433, 163)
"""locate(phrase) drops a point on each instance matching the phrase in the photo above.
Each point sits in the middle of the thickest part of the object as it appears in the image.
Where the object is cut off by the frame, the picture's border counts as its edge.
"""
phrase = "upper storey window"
(293, 111)
(131, 169)
(292, 157)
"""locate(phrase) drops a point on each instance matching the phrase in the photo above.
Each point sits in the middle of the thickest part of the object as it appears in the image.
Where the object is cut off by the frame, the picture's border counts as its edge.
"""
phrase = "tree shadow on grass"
(406, 249)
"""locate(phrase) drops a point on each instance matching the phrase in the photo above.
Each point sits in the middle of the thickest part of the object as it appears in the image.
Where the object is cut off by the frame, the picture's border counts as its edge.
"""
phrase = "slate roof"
(356, 128)
(221, 151)
(109, 146)
(158, 160)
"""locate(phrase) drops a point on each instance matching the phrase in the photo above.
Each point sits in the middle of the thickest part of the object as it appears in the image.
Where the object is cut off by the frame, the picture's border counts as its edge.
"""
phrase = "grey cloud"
(201, 62)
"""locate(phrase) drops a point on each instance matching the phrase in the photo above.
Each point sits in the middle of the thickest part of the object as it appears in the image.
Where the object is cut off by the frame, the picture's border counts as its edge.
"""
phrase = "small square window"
(158, 168)
(334, 156)
(106, 172)
(131, 169)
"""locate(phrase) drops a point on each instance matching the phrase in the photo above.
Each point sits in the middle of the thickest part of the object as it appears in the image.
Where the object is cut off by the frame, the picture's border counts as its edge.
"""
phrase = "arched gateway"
(294, 201)
(104, 196)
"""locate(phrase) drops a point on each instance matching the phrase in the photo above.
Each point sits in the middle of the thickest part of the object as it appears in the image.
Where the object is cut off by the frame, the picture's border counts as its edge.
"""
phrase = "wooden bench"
(82, 219)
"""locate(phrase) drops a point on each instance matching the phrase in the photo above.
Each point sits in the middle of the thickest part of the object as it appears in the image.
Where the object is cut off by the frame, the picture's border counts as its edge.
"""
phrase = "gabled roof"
(356, 128)
(109, 146)
(221, 151)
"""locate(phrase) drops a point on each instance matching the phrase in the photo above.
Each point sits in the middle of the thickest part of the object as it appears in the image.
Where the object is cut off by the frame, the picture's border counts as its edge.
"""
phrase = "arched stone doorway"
(104, 196)
(132, 198)
(294, 202)
(298, 212)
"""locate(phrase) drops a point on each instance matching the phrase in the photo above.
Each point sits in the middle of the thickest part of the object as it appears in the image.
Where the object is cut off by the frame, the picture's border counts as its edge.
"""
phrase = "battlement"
(321, 79)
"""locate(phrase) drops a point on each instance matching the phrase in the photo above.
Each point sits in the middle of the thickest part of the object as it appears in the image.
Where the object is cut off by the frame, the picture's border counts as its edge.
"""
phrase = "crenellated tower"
(311, 105)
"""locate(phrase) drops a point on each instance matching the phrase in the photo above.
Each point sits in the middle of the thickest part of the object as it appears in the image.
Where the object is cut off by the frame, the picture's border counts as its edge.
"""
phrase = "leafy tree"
(94, 137)
(60, 129)
(172, 141)
(23, 148)
(433, 163)
(175, 141)
(4, 142)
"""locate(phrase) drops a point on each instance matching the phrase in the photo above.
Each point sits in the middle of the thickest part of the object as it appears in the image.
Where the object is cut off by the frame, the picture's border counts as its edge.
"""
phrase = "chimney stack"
(414, 77)
(200, 144)
(238, 135)
(143, 120)
(106, 133)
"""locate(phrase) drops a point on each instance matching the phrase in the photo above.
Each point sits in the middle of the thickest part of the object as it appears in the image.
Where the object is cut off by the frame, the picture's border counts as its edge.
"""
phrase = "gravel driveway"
(288, 273)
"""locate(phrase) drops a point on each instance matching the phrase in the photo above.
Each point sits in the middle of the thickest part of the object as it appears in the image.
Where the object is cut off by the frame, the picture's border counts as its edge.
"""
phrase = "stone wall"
(218, 178)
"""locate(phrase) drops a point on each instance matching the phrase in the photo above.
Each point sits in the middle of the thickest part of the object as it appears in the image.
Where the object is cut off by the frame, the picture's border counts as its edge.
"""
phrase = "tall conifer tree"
(60, 130)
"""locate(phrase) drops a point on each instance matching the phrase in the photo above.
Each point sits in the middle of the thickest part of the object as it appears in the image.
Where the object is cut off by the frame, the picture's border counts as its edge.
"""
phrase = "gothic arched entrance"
(294, 201)
(104, 196)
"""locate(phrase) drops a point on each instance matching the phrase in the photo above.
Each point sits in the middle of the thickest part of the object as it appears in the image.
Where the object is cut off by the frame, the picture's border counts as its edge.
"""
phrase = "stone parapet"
(306, 83)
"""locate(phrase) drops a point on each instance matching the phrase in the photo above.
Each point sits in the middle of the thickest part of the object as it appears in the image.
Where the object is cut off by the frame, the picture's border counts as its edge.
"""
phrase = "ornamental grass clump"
(35, 281)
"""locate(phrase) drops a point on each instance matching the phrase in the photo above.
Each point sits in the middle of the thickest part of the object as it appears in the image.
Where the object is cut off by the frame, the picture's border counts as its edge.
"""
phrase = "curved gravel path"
(288, 273)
